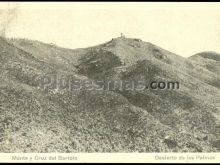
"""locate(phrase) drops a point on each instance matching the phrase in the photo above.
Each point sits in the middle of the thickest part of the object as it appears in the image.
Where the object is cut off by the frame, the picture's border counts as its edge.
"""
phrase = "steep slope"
(51, 54)
(36, 120)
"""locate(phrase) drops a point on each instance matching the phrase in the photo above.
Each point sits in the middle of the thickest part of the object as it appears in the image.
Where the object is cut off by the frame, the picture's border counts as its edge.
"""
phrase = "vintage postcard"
(110, 82)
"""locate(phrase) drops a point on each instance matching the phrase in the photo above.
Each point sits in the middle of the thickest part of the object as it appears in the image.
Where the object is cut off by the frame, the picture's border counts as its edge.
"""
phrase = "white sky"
(182, 28)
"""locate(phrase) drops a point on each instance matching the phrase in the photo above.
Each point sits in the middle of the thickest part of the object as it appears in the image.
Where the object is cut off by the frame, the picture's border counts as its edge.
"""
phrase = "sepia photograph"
(109, 78)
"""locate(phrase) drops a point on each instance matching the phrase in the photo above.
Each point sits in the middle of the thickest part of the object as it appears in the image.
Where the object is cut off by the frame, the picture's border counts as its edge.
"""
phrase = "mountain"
(56, 120)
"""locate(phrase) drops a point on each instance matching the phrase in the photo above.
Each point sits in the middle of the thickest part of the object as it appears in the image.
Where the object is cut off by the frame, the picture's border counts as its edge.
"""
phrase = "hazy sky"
(183, 28)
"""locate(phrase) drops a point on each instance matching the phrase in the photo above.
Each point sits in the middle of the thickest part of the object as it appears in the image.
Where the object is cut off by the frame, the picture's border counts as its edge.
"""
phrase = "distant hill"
(208, 55)
(36, 120)
(208, 60)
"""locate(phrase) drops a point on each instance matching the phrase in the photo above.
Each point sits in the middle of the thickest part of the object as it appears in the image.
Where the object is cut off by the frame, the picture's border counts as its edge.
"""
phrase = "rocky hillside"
(55, 120)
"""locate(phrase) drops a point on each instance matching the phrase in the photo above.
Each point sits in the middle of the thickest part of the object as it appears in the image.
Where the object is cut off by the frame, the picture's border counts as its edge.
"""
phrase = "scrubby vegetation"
(37, 120)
